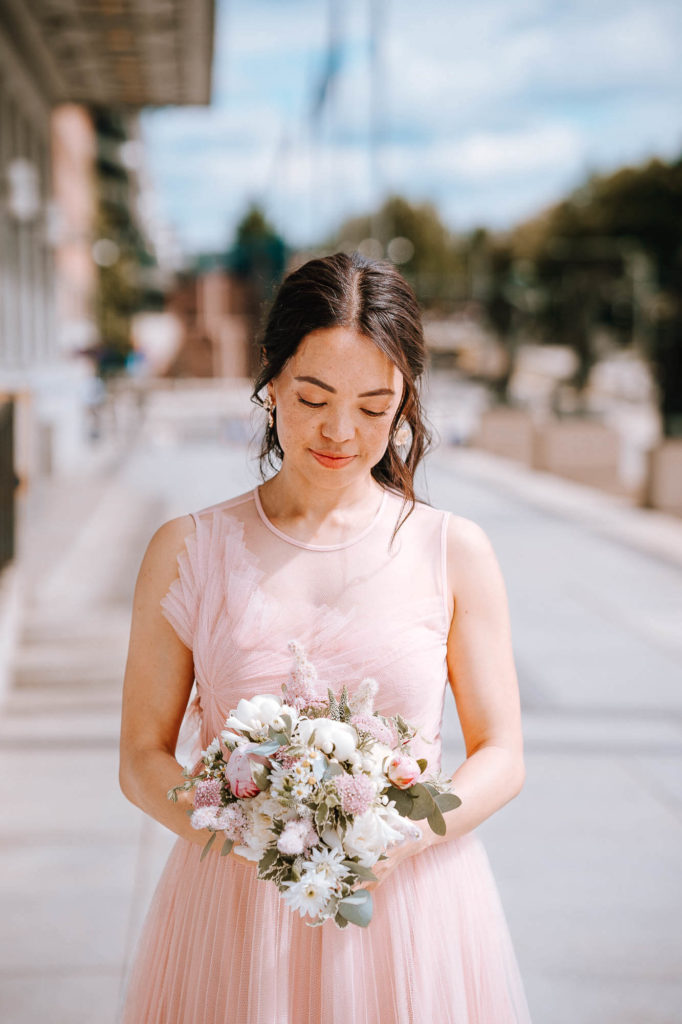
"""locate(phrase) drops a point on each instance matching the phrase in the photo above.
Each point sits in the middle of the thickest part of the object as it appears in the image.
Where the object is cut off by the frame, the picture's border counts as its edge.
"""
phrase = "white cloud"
(491, 110)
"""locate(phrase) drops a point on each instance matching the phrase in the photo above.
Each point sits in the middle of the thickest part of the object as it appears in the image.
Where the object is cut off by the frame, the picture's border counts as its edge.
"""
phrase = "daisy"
(309, 896)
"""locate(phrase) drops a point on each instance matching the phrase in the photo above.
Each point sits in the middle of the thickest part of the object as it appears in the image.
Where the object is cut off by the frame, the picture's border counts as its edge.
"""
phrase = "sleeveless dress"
(218, 944)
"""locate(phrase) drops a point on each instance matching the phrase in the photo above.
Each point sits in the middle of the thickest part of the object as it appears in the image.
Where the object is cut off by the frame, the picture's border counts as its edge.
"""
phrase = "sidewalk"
(70, 858)
(648, 530)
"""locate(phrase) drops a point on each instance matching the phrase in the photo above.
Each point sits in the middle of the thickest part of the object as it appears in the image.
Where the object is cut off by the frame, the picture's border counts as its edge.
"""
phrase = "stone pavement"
(586, 857)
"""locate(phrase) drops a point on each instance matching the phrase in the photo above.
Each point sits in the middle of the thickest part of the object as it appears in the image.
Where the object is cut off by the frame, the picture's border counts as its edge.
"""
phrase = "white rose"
(369, 836)
(375, 760)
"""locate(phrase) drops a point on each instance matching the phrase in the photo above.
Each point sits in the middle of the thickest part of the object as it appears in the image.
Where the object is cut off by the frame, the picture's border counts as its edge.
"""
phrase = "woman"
(334, 551)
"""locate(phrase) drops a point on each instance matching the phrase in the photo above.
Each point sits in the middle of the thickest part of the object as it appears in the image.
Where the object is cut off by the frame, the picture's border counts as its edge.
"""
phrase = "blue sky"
(491, 110)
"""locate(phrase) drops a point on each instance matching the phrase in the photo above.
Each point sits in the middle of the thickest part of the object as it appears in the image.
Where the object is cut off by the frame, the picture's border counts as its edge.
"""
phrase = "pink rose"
(238, 771)
(403, 771)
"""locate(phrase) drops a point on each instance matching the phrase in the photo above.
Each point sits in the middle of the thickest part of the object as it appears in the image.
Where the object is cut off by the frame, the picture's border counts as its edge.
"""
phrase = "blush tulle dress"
(219, 945)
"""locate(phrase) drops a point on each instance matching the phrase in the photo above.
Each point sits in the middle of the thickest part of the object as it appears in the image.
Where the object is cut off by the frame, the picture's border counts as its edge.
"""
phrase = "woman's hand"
(396, 855)
(202, 835)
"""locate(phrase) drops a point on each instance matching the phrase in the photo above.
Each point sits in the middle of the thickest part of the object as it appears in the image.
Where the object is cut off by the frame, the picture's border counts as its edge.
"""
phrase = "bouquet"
(315, 789)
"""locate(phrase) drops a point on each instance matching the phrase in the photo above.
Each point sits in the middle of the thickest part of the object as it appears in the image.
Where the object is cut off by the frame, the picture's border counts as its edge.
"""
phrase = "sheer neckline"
(318, 547)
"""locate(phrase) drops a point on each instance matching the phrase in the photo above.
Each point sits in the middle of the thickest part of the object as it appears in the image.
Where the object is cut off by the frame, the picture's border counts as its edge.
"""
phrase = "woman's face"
(336, 396)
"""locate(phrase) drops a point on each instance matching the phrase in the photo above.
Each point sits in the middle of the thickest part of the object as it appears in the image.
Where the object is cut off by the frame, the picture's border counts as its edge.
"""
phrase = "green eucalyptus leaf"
(403, 800)
(357, 908)
(266, 747)
(437, 821)
(340, 920)
(333, 768)
(208, 846)
(447, 801)
(423, 802)
(422, 762)
(278, 737)
(227, 846)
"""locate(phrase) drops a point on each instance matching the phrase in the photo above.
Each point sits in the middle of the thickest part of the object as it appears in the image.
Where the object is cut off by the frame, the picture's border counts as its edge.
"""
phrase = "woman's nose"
(338, 426)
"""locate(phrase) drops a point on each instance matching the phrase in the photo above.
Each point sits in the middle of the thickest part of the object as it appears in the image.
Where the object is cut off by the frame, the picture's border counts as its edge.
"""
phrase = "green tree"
(611, 253)
(435, 269)
(258, 253)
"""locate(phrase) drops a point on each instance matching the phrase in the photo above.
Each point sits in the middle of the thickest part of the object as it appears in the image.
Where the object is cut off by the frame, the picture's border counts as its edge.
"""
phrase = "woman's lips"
(332, 461)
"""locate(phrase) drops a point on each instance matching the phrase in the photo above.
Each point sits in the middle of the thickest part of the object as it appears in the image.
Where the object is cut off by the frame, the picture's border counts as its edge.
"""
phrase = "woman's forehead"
(344, 352)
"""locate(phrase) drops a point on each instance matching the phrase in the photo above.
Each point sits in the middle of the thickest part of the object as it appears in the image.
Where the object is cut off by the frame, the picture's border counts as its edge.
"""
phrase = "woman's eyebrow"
(363, 394)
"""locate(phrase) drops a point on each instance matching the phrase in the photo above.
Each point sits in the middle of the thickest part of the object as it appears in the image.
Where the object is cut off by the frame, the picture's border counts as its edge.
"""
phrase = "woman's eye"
(313, 405)
(318, 405)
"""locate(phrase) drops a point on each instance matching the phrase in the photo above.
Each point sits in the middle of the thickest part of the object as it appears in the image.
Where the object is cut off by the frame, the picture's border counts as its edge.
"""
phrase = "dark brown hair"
(372, 298)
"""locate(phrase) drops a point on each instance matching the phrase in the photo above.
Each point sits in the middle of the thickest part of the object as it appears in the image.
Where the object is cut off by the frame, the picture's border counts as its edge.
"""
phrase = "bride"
(333, 547)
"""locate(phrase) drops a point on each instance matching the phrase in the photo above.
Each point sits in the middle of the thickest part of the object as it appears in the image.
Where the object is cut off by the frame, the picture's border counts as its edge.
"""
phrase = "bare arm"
(158, 679)
(483, 679)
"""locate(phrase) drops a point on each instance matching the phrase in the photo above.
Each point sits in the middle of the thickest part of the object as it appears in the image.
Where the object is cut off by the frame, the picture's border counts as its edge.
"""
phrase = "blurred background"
(163, 163)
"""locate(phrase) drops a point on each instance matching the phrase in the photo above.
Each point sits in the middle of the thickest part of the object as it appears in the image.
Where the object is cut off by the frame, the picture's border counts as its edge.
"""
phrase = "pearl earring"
(402, 434)
(269, 405)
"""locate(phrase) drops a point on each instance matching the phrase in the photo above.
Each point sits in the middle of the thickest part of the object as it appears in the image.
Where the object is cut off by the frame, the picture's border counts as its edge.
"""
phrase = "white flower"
(393, 819)
(325, 862)
(338, 738)
(301, 791)
(261, 711)
(212, 748)
(309, 895)
(374, 761)
(370, 835)
(259, 834)
(204, 817)
(333, 839)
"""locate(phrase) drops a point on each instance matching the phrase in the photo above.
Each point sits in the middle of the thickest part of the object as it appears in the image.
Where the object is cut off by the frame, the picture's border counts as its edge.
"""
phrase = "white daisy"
(309, 896)
(326, 863)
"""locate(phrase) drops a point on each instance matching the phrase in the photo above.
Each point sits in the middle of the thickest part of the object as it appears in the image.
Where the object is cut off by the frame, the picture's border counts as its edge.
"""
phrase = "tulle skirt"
(219, 945)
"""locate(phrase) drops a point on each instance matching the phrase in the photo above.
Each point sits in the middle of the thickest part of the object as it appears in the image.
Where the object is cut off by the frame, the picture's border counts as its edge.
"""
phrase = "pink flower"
(377, 729)
(232, 821)
(403, 771)
(285, 759)
(207, 793)
(356, 792)
(302, 687)
(238, 771)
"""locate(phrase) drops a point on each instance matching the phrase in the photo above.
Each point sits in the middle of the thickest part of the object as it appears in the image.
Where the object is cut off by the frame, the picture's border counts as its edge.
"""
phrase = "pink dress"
(219, 945)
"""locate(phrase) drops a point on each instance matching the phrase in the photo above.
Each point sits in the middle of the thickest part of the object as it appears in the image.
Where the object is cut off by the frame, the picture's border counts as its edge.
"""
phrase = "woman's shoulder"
(465, 540)
(459, 529)
(471, 561)
(227, 504)
(172, 535)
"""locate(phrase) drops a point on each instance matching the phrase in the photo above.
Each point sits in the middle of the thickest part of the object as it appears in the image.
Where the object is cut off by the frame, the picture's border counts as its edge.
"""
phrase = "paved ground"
(586, 858)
